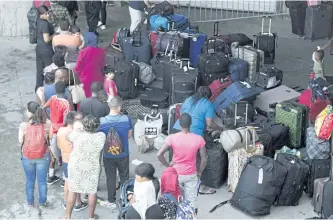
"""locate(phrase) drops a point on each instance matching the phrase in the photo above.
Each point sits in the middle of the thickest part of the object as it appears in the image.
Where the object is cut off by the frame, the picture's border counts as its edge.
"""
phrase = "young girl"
(110, 86)
(318, 67)
(146, 188)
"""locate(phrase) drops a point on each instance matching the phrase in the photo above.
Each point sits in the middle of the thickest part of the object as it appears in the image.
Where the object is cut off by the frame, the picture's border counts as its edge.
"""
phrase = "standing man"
(185, 146)
(93, 9)
(102, 22)
(118, 129)
(59, 13)
(72, 8)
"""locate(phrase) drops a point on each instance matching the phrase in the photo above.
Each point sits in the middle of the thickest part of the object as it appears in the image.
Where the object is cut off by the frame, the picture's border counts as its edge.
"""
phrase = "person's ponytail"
(38, 114)
(157, 186)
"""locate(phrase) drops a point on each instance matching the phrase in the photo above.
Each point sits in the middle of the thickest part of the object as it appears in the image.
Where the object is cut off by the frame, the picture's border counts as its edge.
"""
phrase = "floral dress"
(84, 163)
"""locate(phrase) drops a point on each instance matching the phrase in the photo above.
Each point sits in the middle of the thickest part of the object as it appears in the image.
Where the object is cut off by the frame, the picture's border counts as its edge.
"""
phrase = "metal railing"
(220, 10)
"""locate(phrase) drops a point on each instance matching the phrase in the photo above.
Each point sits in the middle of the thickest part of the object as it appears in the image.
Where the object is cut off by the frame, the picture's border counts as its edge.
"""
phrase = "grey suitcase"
(318, 22)
(317, 199)
(269, 97)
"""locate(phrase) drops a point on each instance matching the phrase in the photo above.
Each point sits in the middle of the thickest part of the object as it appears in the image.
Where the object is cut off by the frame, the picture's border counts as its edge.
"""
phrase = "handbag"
(77, 91)
(324, 123)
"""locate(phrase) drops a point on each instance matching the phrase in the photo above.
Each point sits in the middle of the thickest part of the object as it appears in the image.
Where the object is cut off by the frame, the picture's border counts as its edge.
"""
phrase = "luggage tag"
(260, 176)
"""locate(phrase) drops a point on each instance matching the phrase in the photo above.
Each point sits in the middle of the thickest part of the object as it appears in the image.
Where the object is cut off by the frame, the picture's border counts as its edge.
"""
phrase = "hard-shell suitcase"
(126, 78)
(317, 199)
(316, 148)
(113, 54)
(266, 100)
(294, 116)
(318, 22)
(138, 43)
(267, 42)
(297, 16)
(327, 208)
(270, 78)
(259, 185)
(234, 93)
(292, 188)
(237, 159)
(152, 96)
(238, 69)
(318, 169)
(197, 40)
(218, 86)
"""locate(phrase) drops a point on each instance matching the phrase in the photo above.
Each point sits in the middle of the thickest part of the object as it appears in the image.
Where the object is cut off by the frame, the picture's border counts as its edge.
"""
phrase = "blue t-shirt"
(122, 124)
(199, 112)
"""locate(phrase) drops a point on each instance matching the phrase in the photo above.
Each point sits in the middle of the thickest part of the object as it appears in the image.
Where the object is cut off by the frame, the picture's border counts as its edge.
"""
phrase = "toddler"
(318, 66)
(110, 86)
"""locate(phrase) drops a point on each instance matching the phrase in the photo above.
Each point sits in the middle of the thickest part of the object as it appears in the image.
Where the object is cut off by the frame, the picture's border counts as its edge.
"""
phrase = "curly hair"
(90, 123)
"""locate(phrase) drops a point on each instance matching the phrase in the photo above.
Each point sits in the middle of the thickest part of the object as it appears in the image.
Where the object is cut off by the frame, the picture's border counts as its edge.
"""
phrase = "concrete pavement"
(17, 80)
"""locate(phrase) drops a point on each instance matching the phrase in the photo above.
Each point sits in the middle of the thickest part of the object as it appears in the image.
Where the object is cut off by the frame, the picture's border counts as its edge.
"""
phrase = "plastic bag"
(159, 141)
(324, 123)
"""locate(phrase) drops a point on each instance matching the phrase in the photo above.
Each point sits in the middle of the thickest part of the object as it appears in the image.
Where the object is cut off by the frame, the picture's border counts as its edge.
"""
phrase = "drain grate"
(134, 110)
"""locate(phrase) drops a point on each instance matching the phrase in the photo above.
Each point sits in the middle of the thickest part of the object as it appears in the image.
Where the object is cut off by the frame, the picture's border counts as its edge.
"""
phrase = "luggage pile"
(311, 19)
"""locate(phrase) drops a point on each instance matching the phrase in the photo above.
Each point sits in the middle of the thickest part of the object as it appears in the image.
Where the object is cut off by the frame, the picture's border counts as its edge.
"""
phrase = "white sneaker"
(107, 204)
(102, 27)
(99, 24)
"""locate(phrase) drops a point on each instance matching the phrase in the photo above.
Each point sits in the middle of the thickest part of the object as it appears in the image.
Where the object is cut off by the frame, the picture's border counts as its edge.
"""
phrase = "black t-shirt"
(92, 106)
(137, 5)
(44, 27)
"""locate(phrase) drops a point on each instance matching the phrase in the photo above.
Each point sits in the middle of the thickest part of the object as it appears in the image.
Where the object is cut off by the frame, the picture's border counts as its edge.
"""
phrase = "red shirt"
(110, 84)
(59, 107)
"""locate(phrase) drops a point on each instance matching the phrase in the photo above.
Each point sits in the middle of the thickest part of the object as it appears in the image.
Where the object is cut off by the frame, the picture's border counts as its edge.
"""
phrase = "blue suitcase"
(234, 93)
(196, 43)
(238, 69)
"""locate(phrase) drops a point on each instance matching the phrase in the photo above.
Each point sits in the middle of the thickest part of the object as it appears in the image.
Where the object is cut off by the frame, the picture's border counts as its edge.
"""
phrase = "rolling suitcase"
(218, 86)
(292, 188)
(197, 40)
(317, 199)
(234, 93)
(267, 99)
(267, 42)
(113, 54)
(270, 78)
(259, 185)
(297, 16)
(152, 96)
(318, 169)
(237, 159)
(238, 69)
(126, 78)
(138, 43)
(318, 22)
(295, 116)
(237, 114)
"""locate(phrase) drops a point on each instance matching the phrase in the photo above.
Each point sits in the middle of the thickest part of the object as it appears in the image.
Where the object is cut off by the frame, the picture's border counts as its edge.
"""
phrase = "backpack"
(35, 143)
(113, 144)
(32, 21)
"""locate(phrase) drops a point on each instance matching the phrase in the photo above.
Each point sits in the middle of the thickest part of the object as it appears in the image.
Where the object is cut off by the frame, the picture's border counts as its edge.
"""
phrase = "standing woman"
(44, 50)
(84, 164)
(90, 63)
(34, 135)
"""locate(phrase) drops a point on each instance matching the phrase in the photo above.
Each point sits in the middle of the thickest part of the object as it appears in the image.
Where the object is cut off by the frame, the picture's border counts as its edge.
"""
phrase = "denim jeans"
(32, 169)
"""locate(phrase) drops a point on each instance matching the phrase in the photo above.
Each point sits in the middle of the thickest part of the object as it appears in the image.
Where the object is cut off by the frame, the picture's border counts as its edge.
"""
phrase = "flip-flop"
(210, 191)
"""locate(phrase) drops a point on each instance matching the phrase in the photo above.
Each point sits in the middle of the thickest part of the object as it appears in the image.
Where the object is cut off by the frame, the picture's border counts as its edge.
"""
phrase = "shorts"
(54, 147)
(65, 169)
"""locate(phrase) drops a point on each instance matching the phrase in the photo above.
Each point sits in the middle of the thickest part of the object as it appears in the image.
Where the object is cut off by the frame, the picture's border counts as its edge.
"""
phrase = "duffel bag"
(169, 41)
(316, 148)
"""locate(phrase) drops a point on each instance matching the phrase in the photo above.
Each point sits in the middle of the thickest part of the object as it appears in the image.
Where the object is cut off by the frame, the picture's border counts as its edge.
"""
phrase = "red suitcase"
(218, 86)
(153, 40)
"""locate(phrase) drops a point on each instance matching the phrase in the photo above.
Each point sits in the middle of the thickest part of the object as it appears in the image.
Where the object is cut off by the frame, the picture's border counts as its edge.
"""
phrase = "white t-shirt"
(145, 196)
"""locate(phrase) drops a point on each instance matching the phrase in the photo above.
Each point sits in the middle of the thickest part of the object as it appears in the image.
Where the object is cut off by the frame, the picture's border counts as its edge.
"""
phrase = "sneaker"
(107, 204)
(80, 207)
(53, 180)
(63, 184)
(102, 27)
(43, 206)
(85, 198)
(99, 24)
(63, 205)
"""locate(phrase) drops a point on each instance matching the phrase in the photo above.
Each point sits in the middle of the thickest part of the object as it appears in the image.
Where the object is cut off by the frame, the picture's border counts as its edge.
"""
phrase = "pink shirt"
(109, 83)
(185, 148)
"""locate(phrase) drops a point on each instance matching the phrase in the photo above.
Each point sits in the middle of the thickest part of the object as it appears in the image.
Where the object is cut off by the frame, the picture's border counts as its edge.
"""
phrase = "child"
(318, 66)
(76, 31)
(110, 86)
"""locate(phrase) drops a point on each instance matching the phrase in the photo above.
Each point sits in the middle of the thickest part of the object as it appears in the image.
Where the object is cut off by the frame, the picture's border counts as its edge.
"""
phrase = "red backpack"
(35, 142)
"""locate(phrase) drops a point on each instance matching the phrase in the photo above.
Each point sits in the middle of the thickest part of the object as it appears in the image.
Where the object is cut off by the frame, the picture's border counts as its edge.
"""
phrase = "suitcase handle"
(115, 46)
(135, 43)
(187, 60)
(216, 29)
(252, 138)
(236, 110)
(269, 27)
(214, 45)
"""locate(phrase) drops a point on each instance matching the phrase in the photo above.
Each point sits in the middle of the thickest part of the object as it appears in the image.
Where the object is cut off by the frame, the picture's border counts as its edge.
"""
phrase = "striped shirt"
(59, 107)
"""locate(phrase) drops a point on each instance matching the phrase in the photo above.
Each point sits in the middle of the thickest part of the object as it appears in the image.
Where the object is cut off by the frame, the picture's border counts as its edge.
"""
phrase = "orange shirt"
(66, 39)
(63, 144)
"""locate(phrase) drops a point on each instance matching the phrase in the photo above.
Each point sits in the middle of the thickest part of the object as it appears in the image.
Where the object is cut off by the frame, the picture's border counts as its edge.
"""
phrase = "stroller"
(123, 203)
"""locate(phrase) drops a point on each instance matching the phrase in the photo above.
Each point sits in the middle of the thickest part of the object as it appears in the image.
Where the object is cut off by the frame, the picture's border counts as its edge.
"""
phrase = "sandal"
(207, 191)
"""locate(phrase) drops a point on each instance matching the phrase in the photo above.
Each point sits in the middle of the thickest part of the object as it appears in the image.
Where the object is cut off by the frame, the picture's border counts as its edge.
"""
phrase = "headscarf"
(169, 182)
(90, 39)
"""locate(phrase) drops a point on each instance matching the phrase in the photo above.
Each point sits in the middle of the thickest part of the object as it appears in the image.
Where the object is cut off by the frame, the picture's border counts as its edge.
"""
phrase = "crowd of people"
(80, 136)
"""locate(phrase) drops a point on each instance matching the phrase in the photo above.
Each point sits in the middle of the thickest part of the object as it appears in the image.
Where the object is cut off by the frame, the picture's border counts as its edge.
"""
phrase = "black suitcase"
(169, 62)
(318, 22)
(259, 184)
(293, 186)
(126, 78)
(153, 96)
(318, 169)
(137, 45)
(113, 54)
(237, 114)
(183, 84)
(297, 17)
(270, 78)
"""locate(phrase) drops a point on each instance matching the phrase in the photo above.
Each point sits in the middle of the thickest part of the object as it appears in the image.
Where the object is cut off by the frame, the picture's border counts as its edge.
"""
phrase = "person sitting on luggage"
(110, 86)
(185, 145)
(318, 65)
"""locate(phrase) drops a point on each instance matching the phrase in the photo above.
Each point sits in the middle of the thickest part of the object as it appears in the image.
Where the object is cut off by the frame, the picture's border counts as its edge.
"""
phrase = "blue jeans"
(32, 169)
